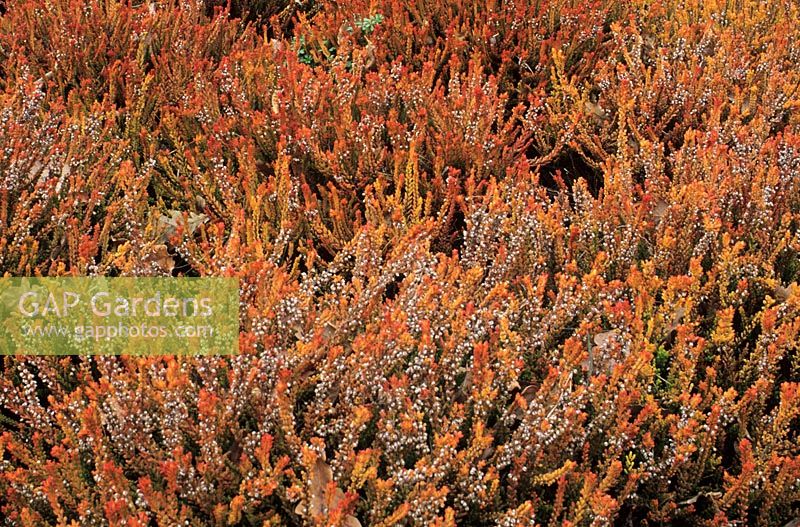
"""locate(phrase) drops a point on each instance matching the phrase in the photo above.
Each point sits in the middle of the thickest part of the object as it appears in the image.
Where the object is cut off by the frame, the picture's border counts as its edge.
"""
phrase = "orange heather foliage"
(502, 263)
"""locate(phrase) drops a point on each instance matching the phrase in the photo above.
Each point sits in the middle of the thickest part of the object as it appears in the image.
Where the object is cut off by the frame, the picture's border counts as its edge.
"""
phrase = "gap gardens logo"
(100, 315)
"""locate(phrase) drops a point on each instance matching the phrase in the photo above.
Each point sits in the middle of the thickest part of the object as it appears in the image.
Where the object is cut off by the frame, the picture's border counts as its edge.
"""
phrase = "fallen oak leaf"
(160, 259)
(782, 293)
(660, 209)
(602, 339)
(693, 499)
(325, 496)
(175, 220)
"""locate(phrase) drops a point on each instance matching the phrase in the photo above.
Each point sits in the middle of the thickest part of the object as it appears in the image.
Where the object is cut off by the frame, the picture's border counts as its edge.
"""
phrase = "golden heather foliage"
(502, 263)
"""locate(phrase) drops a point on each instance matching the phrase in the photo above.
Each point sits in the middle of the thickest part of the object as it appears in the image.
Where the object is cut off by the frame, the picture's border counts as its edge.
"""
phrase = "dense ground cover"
(502, 263)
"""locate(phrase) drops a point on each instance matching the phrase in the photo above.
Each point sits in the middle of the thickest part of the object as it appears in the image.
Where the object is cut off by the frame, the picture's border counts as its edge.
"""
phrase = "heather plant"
(500, 263)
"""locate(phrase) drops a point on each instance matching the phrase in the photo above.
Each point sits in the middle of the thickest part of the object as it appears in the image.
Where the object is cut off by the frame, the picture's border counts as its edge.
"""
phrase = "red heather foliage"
(502, 263)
